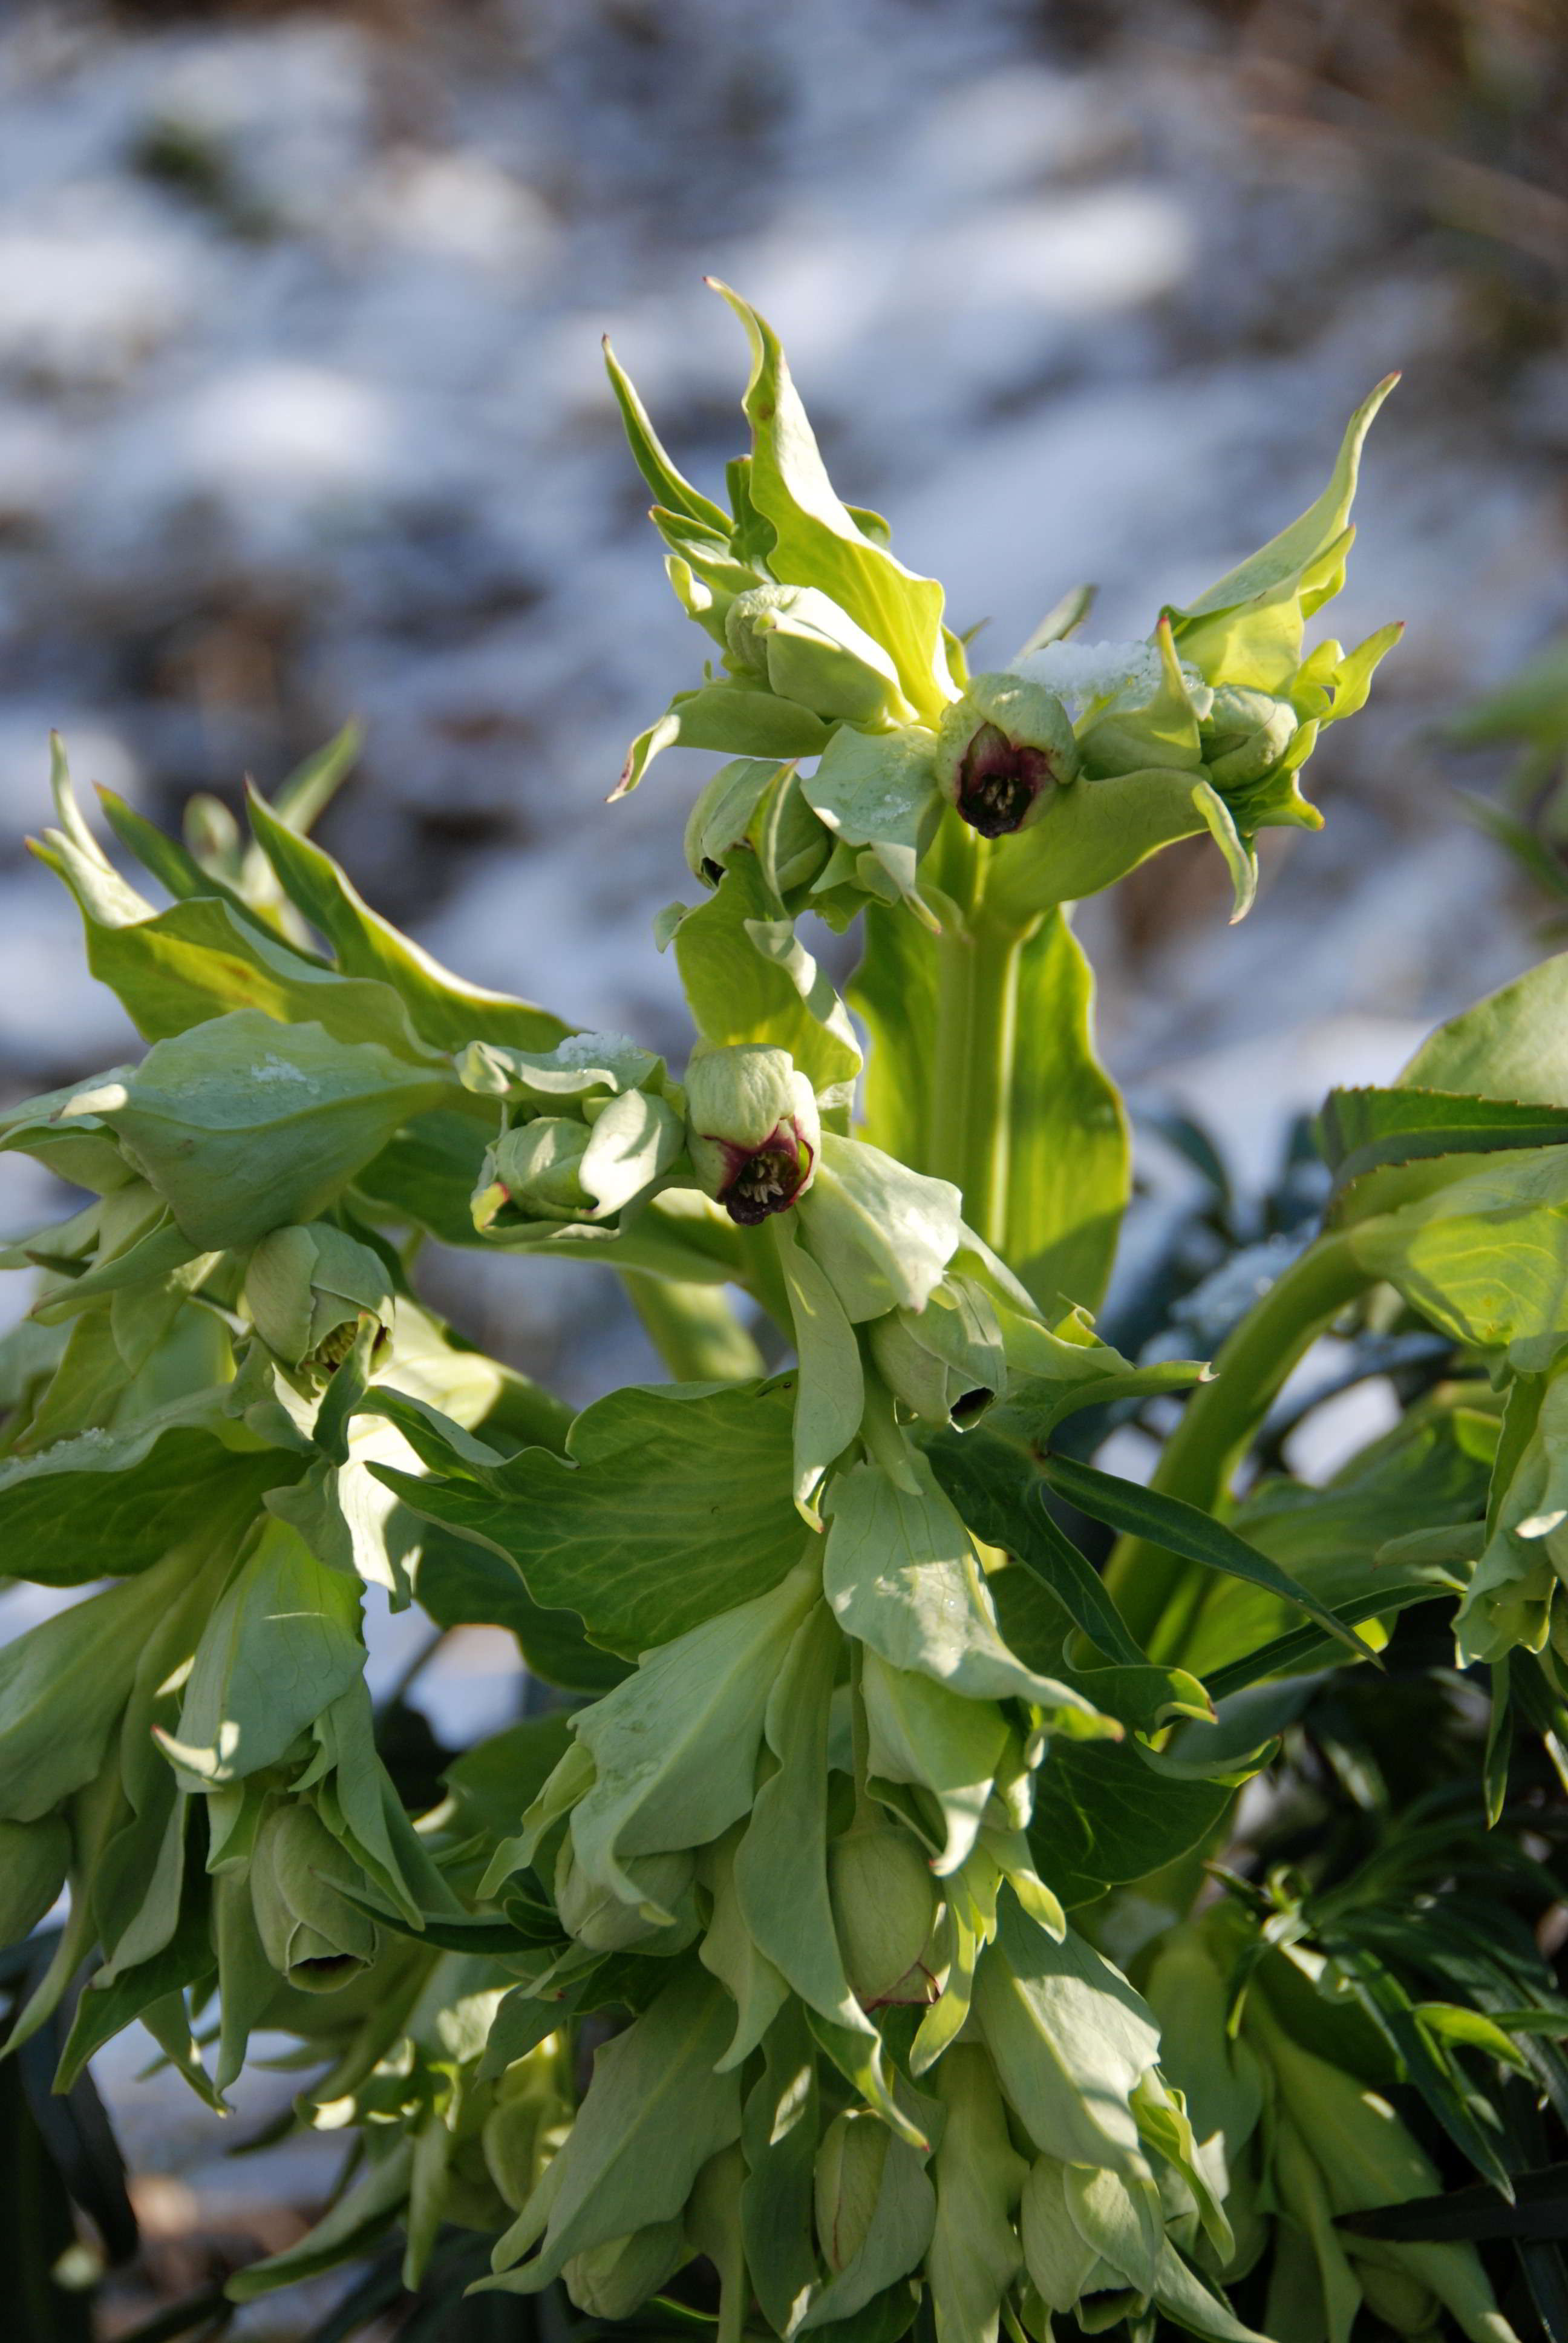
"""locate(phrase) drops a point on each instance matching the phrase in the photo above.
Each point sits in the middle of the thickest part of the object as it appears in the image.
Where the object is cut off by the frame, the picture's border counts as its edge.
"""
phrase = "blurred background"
(302, 418)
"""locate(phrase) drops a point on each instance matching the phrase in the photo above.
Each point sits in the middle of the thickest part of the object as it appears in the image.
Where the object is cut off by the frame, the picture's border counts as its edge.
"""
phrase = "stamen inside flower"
(999, 781)
(767, 1179)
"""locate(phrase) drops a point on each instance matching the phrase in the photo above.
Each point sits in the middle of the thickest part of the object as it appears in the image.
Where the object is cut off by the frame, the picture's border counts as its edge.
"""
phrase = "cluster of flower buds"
(192, 1747)
(833, 650)
(589, 1132)
(453, 2136)
(1304, 2137)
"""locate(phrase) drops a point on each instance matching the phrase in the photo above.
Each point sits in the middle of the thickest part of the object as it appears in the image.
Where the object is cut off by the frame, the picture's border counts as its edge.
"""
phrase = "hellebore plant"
(868, 1931)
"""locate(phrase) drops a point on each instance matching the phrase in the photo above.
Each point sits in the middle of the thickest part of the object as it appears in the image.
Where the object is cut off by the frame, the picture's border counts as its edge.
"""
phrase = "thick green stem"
(956, 863)
(1222, 1418)
(976, 1042)
(994, 1050)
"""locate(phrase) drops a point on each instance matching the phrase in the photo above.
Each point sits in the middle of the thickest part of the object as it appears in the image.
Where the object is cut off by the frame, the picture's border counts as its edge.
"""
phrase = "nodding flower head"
(752, 1129)
(1003, 748)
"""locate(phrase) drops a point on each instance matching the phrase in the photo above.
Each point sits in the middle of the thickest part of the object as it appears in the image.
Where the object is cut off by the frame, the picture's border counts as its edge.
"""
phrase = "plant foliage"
(951, 1884)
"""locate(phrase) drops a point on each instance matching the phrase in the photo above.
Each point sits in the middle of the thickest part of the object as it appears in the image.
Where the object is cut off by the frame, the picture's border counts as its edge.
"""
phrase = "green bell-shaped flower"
(845, 2179)
(736, 806)
(603, 1921)
(752, 1129)
(588, 1132)
(313, 1935)
(612, 2280)
(540, 1164)
(530, 2117)
(305, 1288)
(884, 1903)
(1001, 751)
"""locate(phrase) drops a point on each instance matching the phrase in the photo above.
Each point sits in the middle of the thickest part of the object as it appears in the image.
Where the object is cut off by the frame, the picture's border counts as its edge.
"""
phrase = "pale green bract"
(773, 1966)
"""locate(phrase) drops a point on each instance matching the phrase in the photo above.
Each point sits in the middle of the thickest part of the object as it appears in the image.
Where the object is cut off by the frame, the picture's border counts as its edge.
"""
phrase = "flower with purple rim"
(752, 1129)
(1001, 750)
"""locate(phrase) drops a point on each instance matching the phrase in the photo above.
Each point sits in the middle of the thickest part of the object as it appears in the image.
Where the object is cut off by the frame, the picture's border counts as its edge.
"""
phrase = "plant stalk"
(1221, 1419)
(976, 1045)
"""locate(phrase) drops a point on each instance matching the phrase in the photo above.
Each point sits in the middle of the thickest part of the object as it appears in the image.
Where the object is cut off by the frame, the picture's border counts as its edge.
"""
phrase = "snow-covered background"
(301, 416)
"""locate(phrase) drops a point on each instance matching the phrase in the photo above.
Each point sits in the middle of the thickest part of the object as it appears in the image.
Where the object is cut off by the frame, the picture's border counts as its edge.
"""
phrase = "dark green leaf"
(1002, 1499)
(108, 1504)
(1185, 1530)
(1305, 1647)
(1102, 1817)
(1390, 2009)
(463, 1583)
(1540, 2210)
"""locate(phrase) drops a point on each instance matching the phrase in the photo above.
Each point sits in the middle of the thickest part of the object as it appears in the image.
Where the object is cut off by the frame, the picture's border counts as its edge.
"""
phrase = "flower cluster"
(831, 650)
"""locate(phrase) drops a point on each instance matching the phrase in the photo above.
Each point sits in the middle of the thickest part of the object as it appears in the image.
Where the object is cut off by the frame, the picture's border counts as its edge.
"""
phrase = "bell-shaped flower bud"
(603, 1922)
(1245, 735)
(590, 1133)
(1001, 750)
(735, 807)
(612, 2280)
(34, 1857)
(1338, 2147)
(925, 1382)
(529, 2119)
(313, 1935)
(1397, 2300)
(752, 1129)
(799, 642)
(884, 1903)
(847, 2178)
(305, 1288)
(539, 1165)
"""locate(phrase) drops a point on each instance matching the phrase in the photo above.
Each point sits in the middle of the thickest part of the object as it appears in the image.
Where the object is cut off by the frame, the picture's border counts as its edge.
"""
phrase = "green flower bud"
(925, 1383)
(538, 1165)
(720, 825)
(314, 1936)
(611, 2281)
(752, 1129)
(34, 1857)
(528, 2122)
(306, 1287)
(806, 649)
(599, 1919)
(845, 2179)
(1401, 2302)
(1245, 735)
(884, 1903)
(1001, 751)
(1339, 2143)
(1059, 2258)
